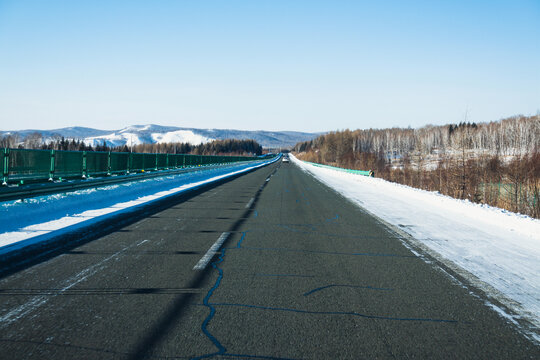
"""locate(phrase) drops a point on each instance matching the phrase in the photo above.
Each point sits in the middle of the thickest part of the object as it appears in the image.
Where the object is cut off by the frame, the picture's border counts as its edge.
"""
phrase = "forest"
(215, 147)
(495, 163)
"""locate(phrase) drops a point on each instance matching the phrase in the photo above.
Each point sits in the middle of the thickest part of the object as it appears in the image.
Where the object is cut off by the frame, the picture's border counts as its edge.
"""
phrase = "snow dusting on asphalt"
(498, 247)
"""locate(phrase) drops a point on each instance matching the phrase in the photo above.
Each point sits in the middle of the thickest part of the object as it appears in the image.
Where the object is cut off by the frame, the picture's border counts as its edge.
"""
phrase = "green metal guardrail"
(22, 165)
(359, 172)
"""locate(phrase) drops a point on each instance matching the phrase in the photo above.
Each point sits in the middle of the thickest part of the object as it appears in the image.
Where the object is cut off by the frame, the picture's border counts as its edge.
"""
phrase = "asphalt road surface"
(301, 273)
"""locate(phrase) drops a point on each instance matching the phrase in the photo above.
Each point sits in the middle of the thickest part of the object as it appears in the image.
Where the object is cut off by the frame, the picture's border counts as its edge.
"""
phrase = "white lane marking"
(39, 301)
(211, 252)
(248, 205)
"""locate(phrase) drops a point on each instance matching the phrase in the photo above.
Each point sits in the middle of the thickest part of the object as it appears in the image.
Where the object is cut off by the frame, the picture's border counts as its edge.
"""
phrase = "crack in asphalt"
(222, 350)
(349, 286)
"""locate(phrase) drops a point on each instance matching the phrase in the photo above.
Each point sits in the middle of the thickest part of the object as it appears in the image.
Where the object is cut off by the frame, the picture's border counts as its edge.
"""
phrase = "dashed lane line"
(201, 265)
(250, 203)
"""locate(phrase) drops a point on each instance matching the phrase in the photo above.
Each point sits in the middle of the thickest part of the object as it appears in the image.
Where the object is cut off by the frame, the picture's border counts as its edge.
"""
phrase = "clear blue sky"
(274, 65)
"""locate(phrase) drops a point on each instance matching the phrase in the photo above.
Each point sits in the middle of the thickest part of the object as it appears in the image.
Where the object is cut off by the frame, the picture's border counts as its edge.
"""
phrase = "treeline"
(215, 147)
(496, 163)
(35, 141)
(513, 136)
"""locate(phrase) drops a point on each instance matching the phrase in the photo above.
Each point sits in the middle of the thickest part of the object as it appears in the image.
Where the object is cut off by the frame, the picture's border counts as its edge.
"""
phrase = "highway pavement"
(270, 265)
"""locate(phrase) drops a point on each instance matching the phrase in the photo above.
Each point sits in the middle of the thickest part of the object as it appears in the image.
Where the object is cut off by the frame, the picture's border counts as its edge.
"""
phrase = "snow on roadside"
(24, 223)
(500, 248)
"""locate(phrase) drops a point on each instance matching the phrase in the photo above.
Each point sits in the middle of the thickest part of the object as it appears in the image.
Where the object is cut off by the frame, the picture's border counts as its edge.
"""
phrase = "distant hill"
(139, 134)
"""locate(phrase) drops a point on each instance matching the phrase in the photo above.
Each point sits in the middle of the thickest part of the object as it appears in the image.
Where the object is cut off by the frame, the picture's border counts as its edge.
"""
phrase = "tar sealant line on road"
(221, 349)
(201, 265)
(346, 313)
(348, 286)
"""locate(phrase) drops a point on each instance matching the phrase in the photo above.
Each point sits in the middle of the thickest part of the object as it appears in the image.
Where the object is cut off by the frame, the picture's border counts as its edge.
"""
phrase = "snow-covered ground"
(499, 248)
(24, 223)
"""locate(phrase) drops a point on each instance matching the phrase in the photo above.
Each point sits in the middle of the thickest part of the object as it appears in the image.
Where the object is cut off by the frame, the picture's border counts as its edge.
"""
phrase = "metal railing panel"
(119, 163)
(149, 162)
(20, 165)
(161, 161)
(25, 164)
(68, 164)
(97, 163)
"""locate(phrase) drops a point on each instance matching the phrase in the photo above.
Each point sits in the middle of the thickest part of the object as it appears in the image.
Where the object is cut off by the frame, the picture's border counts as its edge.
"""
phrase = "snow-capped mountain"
(147, 134)
(138, 134)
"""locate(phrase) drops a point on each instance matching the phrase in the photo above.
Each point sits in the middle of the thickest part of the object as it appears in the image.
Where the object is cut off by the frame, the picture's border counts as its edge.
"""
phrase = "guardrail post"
(109, 164)
(51, 170)
(5, 167)
(84, 166)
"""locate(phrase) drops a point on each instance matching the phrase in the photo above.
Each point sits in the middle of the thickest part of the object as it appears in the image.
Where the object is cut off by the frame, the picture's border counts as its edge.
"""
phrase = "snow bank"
(500, 248)
(25, 223)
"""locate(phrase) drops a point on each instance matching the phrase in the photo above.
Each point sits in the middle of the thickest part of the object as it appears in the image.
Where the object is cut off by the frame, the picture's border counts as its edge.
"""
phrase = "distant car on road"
(285, 159)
